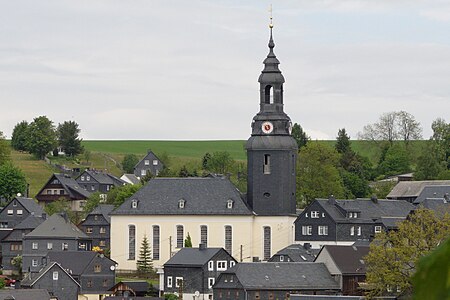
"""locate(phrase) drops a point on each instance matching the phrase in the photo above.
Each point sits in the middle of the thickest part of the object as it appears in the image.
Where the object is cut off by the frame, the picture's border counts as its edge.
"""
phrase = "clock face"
(267, 127)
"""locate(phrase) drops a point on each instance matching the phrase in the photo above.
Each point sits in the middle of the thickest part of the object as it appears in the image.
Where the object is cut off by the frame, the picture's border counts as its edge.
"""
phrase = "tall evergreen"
(144, 264)
(20, 136)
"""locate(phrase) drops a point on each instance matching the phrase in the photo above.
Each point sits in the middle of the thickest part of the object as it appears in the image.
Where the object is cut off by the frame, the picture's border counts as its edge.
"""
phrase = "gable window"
(64, 246)
(49, 192)
(131, 242)
(181, 203)
(34, 262)
(155, 162)
(307, 230)
(232, 263)
(267, 243)
(204, 235)
(377, 229)
(19, 212)
(266, 167)
(82, 178)
(281, 257)
(221, 265)
(89, 283)
(55, 275)
(10, 212)
(105, 282)
(89, 230)
(228, 238)
(143, 172)
(49, 246)
(352, 230)
(97, 268)
(34, 246)
(102, 243)
(230, 204)
(323, 230)
(180, 236)
(178, 281)
(210, 265)
(15, 203)
(358, 230)
(169, 281)
(134, 203)
(102, 230)
(314, 214)
(211, 281)
(147, 162)
(88, 178)
(155, 242)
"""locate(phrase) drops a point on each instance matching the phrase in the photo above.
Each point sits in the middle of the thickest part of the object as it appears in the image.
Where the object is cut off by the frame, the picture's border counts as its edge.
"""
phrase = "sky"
(188, 70)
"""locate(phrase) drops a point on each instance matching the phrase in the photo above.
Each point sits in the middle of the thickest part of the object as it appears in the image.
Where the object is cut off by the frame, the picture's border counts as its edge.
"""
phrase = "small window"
(306, 214)
(281, 257)
(82, 178)
(314, 214)
(49, 192)
(89, 283)
(204, 235)
(102, 230)
(34, 262)
(359, 230)
(181, 203)
(64, 246)
(107, 187)
(19, 212)
(34, 246)
(155, 162)
(97, 268)
(377, 229)
(230, 204)
(178, 281)
(323, 215)
(147, 162)
(88, 178)
(169, 281)
(180, 236)
(105, 282)
(89, 230)
(10, 212)
(102, 243)
(15, 203)
(134, 203)
(211, 281)
(352, 230)
(49, 246)
(307, 230)
(323, 230)
(95, 217)
(210, 265)
(143, 172)
(92, 188)
(232, 263)
(266, 167)
(221, 265)
(55, 275)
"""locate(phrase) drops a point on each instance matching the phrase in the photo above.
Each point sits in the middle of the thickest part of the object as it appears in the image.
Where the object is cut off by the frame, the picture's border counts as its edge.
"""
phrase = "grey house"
(97, 225)
(15, 211)
(56, 233)
(295, 253)
(196, 269)
(24, 294)
(55, 280)
(93, 271)
(342, 222)
(411, 190)
(274, 281)
(150, 163)
(12, 244)
(95, 181)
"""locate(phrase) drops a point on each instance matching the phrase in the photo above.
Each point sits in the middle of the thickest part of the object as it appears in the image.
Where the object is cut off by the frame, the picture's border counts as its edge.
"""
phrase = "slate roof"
(31, 222)
(349, 259)
(283, 276)
(435, 191)
(70, 185)
(30, 281)
(370, 210)
(131, 178)
(104, 210)
(30, 205)
(438, 205)
(136, 286)
(202, 196)
(56, 226)
(75, 261)
(413, 188)
(25, 294)
(298, 253)
(192, 257)
(104, 178)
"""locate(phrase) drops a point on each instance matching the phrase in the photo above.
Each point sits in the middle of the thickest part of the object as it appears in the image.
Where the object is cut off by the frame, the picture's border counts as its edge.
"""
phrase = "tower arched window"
(268, 96)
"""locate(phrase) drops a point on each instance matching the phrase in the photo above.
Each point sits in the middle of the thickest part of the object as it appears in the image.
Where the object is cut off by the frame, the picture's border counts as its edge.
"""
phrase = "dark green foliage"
(441, 137)
(118, 194)
(4, 150)
(146, 178)
(2, 283)
(12, 181)
(92, 202)
(188, 241)
(62, 206)
(87, 155)
(128, 163)
(42, 137)
(395, 161)
(20, 136)
(170, 297)
(183, 172)
(144, 264)
(220, 162)
(299, 135)
(429, 164)
(382, 188)
(343, 142)
(68, 138)
(355, 186)
(205, 160)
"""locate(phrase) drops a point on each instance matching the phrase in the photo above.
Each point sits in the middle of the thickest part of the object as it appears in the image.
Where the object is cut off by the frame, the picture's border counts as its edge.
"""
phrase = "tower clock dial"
(267, 127)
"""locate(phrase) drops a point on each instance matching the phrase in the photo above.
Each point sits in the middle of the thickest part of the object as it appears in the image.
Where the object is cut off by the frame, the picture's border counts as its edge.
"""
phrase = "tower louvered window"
(267, 242)
(155, 242)
(228, 239)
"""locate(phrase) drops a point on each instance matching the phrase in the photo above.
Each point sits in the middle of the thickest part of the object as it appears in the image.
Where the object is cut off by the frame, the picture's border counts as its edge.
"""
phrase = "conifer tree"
(144, 263)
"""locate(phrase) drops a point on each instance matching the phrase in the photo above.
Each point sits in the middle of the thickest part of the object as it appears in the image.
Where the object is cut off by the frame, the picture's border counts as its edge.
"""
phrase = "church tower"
(271, 149)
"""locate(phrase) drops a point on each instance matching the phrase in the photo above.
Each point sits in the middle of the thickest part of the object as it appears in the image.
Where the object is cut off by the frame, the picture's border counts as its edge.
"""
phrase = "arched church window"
(268, 99)
(228, 239)
(267, 242)
(131, 242)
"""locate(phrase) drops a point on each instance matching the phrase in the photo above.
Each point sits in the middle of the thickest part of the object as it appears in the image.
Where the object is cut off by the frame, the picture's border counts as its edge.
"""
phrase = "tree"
(441, 138)
(383, 130)
(128, 163)
(144, 263)
(188, 241)
(343, 142)
(42, 137)
(68, 138)
(87, 155)
(395, 161)
(91, 203)
(205, 160)
(2, 283)
(299, 135)
(62, 206)
(393, 256)
(17, 263)
(318, 174)
(429, 163)
(12, 181)
(183, 172)
(408, 128)
(220, 162)
(4, 150)
(20, 136)
(118, 194)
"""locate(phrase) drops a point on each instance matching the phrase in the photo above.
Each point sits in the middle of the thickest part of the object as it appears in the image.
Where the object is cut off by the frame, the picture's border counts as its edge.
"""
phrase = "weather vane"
(270, 11)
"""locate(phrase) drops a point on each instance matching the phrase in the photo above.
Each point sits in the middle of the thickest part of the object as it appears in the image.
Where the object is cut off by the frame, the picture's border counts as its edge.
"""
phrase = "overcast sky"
(172, 70)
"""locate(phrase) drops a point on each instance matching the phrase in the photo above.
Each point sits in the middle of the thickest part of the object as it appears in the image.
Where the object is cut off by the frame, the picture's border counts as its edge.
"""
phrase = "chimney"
(374, 199)
(307, 246)
(44, 216)
(331, 200)
(201, 246)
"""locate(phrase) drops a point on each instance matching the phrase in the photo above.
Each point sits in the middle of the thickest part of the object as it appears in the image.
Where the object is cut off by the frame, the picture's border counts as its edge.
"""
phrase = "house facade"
(97, 225)
(343, 222)
(149, 164)
(295, 253)
(96, 181)
(195, 271)
(15, 211)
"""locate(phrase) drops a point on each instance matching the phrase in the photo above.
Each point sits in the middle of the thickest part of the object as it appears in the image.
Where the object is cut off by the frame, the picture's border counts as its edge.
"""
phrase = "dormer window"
(88, 178)
(314, 214)
(181, 203)
(230, 204)
(352, 215)
(134, 203)
(82, 178)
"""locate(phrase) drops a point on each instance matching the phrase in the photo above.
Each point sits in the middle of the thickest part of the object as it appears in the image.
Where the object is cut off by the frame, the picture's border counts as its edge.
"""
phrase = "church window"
(204, 235)
(180, 236)
(181, 203)
(268, 96)
(228, 238)
(267, 242)
(155, 242)
(230, 203)
(131, 242)
(266, 168)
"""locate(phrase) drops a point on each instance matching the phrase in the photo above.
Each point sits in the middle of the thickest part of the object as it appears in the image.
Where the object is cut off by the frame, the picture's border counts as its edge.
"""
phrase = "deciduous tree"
(68, 138)
(42, 137)
(12, 181)
(299, 135)
(408, 127)
(129, 162)
(220, 162)
(117, 195)
(20, 136)
(4, 150)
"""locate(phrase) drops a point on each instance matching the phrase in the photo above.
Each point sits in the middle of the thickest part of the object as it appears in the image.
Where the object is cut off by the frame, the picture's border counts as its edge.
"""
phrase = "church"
(211, 210)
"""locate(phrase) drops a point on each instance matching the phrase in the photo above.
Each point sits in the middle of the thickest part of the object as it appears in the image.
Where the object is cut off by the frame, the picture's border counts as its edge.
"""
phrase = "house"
(24, 294)
(196, 270)
(440, 192)
(440, 205)
(342, 222)
(295, 253)
(55, 280)
(130, 289)
(95, 181)
(12, 243)
(61, 186)
(96, 225)
(149, 164)
(56, 233)
(93, 271)
(15, 211)
(130, 178)
(274, 281)
(411, 190)
(346, 265)
(211, 209)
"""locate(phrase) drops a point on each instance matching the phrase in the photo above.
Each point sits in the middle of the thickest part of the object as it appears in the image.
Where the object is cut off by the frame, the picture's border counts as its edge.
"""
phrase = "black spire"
(271, 63)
